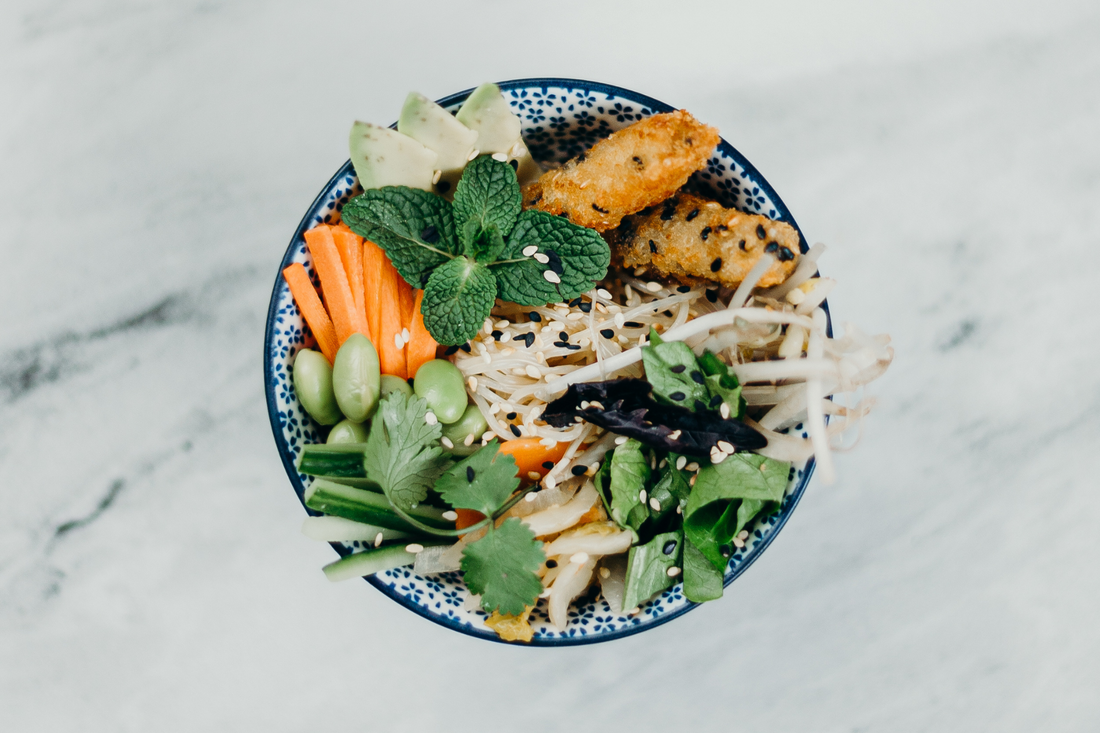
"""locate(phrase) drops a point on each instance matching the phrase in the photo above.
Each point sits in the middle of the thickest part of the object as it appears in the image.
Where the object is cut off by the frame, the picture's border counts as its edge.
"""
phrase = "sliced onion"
(613, 586)
(570, 583)
(594, 538)
(558, 519)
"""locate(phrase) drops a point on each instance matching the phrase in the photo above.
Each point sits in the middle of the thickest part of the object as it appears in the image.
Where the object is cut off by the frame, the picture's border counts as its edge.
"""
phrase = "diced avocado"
(438, 130)
(498, 129)
(385, 157)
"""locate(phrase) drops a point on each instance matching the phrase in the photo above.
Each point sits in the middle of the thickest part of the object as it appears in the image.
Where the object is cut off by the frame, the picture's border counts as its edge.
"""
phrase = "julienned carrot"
(421, 347)
(531, 454)
(374, 262)
(467, 518)
(391, 356)
(350, 246)
(312, 310)
(407, 299)
(334, 283)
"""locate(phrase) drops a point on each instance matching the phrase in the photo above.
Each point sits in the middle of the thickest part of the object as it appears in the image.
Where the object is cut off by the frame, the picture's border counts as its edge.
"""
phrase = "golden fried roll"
(690, 237)
(636, 167)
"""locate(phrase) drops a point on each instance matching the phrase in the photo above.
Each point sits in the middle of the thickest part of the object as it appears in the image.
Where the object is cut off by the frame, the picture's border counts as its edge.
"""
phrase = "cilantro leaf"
(671, 369)
(487, 196)
(502, 567)
(482, 482)
(402, 455)
(457, 298)
(722, 382)
(416, 228)
(578, 256)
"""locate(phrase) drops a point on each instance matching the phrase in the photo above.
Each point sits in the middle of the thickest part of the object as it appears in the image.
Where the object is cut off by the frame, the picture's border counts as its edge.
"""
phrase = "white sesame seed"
(795, 297)
(673, 572)
(378, 539)
(725, 411)
(655, 505)
(502, 157)
(675, 435)
(598, 405)
(516, 150)
(691, 481)
(634, 611)
(495, 408)
(605, 573)
(431, 419)
(473, 154)
(397, 340)
(580, 558)
(628, 292)
(450, 516)
(621, 439)
(585, 404)
(487, 327)
(530, 250)
(533, 371)
(487, 358)
(641, 496)
(549, 442)
(436, 176)
(447, 443)
(679, 510)
(681, 461)
(576, 316)
(726, 447)
(530, 496)
(663, 463)
(405, 335)
(550, 482)
(551, 276)
(488, 435)
(534, 475)
(652, 287)
(743, 534)
(693, 466)
(620, 320)
(639, 271)
(472, 383)
(715, 451)
(738, 542)
(718, 456)
(508, 351)
(603, 294)
(540, 258)
(592, 469)
(503, 323)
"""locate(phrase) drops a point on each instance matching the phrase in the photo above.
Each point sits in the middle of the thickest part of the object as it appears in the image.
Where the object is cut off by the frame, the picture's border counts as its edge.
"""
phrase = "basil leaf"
(722, 382)
(702, 581)
(629, 476)
(487, 196)
(647, 568)
(578, 256)
(415, 228)
(457, 298)
(741, 476)
(671, 369)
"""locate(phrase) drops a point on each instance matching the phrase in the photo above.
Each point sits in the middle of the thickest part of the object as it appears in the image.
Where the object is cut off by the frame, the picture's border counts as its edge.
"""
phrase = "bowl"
(560, 118)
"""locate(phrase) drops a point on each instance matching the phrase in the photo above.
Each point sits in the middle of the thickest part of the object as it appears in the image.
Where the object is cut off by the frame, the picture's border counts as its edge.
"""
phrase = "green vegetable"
(647, 568)
(670, 491)
(402, 453)
(741, 476)
(391, 384)
(438, 130)
(502, 567)
(439, 383)
(385, 157)
(339, 529)
(368, 507)
(482, 482)
(722, 382)
(671, 369)
(347, 431)
(459, 254)
(702, 581)
(313, 385)
(711, 530)
(373, 561)
(472, 423)
(337, 461)
(629, 476)
(356, 377)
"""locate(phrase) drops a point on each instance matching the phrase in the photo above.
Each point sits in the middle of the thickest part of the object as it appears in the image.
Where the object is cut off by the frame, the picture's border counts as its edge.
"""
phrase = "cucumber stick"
(368, 507)
(338, 529)
(335, 460)
(372, 561)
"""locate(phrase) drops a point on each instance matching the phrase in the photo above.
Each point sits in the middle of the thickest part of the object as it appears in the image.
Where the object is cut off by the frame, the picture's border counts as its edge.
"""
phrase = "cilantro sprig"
(482, 247)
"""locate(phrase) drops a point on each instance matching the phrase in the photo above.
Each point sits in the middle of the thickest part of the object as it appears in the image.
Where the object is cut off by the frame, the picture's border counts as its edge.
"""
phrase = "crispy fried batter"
(636, 167)
(690, 237)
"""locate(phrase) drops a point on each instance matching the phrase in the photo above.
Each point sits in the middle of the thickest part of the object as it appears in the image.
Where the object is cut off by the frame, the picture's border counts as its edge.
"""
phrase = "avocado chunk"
(438, 130)
(385, 157)
(498, 129)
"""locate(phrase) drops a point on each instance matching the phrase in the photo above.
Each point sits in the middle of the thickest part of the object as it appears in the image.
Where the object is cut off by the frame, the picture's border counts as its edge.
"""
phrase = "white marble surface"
(154, 159)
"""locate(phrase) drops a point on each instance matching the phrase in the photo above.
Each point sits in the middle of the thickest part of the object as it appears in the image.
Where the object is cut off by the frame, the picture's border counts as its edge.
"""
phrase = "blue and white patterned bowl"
(561, 117)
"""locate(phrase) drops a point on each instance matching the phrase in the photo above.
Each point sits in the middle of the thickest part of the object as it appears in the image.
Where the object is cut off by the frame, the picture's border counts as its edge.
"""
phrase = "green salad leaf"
(482, 482)
(502, 567)
(722, 382)
(403, 455)
(741, 476)
(647, 567)
(629, 476)
(671, 369)
(702, 581)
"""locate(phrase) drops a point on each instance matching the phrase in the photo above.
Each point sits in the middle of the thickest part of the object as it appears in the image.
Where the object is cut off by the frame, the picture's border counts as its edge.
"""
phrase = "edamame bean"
(355, 378)
(391, 384)
(313, 385)
(472, 423)
(440, 383)
(347, 431)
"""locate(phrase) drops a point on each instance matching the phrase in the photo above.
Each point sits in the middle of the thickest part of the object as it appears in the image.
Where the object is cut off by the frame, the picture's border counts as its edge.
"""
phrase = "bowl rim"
(783, 214)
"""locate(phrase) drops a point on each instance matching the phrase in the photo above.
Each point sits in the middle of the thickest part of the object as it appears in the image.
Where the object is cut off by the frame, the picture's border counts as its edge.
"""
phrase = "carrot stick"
(407, 299)
(351, 254)
(334, 283)
(467, 518)
(530, 454)
(421, 347)
(374, 264)
(312, 310)
(391, 357)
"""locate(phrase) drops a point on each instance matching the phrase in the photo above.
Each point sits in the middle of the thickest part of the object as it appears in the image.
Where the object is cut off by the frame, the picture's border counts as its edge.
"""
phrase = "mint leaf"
(482, 244)
(488, 196)
(741, 476)
(722, 382)
(482, 482)
(416, 228)
(457, 298)
(402, 454)
(629, 475)
(671, 369)
(578, 256)
(502, 567)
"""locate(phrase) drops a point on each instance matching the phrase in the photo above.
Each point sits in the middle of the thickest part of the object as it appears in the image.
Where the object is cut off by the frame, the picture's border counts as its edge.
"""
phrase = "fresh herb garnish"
(482, 482)
(502, 567)
(482, 247)
(403, 454)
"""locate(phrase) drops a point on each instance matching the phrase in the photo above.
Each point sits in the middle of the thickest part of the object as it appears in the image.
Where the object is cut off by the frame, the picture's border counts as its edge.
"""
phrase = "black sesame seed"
(581, 157)
(785, 254)
(450, 350)
(578, 470)
(443, 186)
(667, 314)
(716, 265)
(514, 163)
(561, 344)
(424, 279)
(535, 200)
(511, 415)
(585, 307)
(697, 376)
(669, 548)
(529, 339)
(429, 234)
(574, 303)
(741, 244)
(563, 335)
(597, 208)
(515, 430)
(652, 246)
(705, 233)
(466, 348)
(632, 324)
(771, 247)
(534, 316)
(573, 347)
(547, 465)
(555, 262)
(721, 228)
(669, 210)
(470, 474)
(715, 400)
(498, 335)
(521, 337)
(638, 162)
(678, 396)
(607, 333)
(684, 289)
(551, 563)
(679, 368)
(692, 214)
(564, 215)
(760, 233)
(712, 296)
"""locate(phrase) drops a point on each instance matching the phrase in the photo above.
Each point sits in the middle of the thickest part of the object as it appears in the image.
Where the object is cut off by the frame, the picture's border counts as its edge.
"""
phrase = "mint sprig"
(480, 248)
